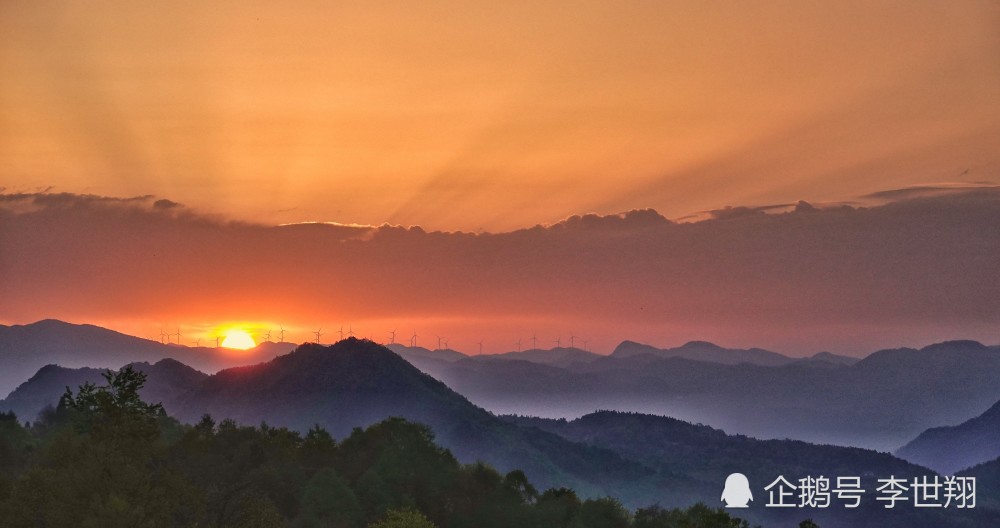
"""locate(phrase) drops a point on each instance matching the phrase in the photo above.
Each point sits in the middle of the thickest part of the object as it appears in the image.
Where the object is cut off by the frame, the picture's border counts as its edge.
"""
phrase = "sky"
(482, 118)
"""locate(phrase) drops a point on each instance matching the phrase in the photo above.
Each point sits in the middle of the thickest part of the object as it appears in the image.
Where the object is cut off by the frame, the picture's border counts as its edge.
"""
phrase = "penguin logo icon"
(737, 491)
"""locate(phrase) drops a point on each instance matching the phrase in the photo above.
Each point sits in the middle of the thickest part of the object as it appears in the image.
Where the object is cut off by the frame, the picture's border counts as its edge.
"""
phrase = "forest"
(103, 457)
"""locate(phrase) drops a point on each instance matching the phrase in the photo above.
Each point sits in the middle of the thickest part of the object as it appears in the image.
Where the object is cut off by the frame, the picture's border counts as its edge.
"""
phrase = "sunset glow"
(385, 165)
(238, 339)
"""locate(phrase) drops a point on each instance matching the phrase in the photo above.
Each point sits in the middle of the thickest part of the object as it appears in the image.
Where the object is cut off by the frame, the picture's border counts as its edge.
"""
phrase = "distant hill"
(707, 456)
(704, 351)
(26, 348)
(167, 380)
(408, 352)
(987, 477)
(559, 356)
(355, 383)
(950, 449)
(880, 402)
(829, 357)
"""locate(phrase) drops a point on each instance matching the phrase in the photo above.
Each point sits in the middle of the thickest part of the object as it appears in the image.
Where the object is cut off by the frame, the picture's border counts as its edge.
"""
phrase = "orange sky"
(495, 115)
(492, 117)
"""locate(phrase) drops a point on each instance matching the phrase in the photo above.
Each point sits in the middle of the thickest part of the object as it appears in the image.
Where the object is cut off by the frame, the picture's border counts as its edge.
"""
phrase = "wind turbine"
(281, 334)
(197, 342)
(534, 341)
(519, 344)
(413, 339)
(178, 334)
(439, 342)
(392, 337)
(350, 331)
(162, 335)
(319, 333)
(217, 339)
(558, 342)
(446, 344)
(585, 347)
(480, 343)
(341, 332)
(267, 336)
(572, 338)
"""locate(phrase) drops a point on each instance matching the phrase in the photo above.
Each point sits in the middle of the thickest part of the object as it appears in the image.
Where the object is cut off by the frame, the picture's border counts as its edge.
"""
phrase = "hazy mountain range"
(642, 459)
(882, 401)
(26, 348)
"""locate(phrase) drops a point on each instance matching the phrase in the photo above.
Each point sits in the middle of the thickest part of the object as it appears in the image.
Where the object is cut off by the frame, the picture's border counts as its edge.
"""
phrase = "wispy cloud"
(805, 275)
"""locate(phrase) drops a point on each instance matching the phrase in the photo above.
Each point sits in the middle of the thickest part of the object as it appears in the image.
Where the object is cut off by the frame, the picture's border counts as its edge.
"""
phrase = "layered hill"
(356, 383)
(705, 351)
(706, 456)
(26, 348)
(166, 380)
(950, 449)
(879, 402)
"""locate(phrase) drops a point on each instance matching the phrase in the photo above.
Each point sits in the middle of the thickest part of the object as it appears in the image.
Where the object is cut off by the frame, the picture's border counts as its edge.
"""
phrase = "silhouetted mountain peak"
(48, 369)
(350, 370)
(704, 351)
(961, 345)
(700, 345)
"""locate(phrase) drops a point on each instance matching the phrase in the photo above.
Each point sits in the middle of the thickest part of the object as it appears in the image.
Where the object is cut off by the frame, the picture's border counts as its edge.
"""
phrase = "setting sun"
(238, 339)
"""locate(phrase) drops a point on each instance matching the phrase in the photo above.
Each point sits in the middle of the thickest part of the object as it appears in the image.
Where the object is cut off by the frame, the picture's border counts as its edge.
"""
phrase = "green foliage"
(327, 501)
(605, 512)
(697, 516)
(105, 458)
(559, 508)
(407, 518)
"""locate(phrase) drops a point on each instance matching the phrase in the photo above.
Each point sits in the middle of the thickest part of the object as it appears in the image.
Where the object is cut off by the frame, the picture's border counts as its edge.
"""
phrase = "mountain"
(987, 477)
(950, 449)
(355, 383)
(704, 351)
(166, 380)
(559, 356)
(706, 456)
(26, 348)
(408, 353)
(829, 357)
(879, 402)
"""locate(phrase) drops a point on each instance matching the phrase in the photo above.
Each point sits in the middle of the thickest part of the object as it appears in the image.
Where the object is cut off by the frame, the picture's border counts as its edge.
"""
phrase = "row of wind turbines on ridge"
(442, 342)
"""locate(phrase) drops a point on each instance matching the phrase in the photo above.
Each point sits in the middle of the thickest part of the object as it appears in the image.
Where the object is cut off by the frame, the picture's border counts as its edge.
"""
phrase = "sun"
(239, 339)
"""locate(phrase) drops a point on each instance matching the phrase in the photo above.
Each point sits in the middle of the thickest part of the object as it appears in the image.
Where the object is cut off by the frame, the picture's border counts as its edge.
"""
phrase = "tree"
(698, 515)
(328, 502)
(604, 513)
(559, 508)
(106, 471)
(407, 518)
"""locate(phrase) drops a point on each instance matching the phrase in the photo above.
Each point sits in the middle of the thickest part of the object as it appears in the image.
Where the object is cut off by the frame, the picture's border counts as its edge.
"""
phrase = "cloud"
(830, 275)
(935, 189)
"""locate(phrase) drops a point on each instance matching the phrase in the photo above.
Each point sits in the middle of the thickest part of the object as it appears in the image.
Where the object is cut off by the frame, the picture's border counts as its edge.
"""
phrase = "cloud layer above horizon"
(848, 279)
(495, 115)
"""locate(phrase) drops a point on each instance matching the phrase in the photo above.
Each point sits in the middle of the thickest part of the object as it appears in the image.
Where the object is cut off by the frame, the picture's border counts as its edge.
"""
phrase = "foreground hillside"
(639, 459)
(105, 458)
(707, 456)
